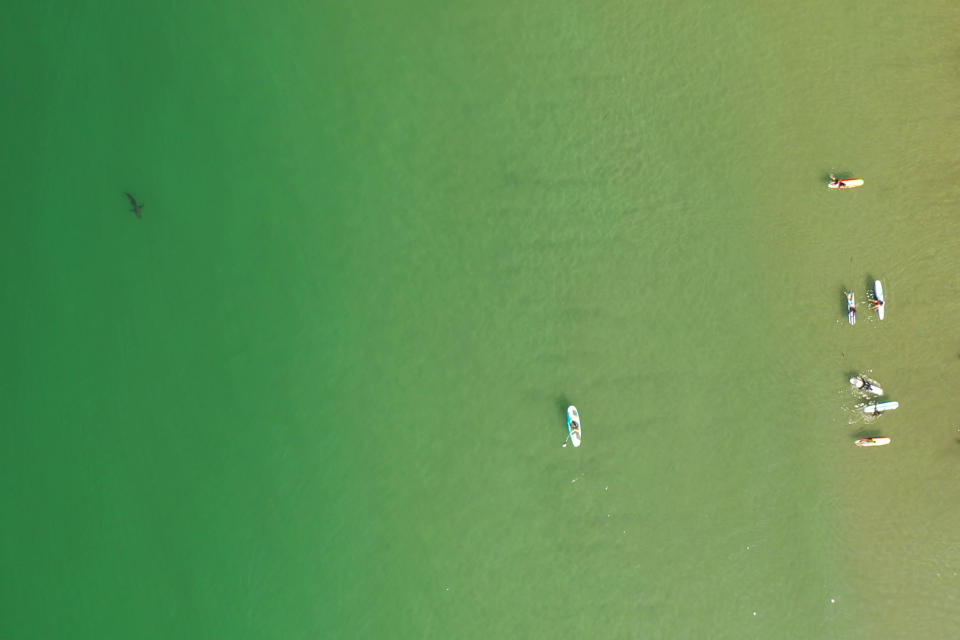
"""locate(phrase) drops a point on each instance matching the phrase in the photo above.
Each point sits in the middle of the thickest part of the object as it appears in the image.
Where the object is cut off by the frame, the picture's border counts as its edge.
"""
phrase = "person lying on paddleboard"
(841, 183)
(575, 429)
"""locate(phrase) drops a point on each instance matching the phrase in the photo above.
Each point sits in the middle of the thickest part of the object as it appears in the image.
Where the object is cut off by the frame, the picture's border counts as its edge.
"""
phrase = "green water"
(319, 389)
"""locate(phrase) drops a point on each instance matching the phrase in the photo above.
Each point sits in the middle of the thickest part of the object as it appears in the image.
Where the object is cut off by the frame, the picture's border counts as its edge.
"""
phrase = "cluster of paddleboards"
(879, 303)
(865, 384)
(861, 382)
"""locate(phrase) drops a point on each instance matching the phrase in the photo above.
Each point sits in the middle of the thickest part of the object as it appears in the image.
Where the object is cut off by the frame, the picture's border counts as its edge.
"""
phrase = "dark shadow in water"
(866, 433)
(136, 207)
(562, 402)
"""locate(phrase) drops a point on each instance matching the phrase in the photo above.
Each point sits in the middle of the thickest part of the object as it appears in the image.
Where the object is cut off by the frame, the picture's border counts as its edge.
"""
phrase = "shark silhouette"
(137, 206)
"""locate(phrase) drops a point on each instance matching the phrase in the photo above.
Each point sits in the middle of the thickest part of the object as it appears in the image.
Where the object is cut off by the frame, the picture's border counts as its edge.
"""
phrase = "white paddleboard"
(846, 183)
(878, 296)
(851, 308)
(573, 419)
(872, 442)
(866, 385)
(880, 408)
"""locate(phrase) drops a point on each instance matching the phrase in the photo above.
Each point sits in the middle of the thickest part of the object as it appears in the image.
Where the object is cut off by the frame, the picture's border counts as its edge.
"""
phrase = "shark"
(137, 206)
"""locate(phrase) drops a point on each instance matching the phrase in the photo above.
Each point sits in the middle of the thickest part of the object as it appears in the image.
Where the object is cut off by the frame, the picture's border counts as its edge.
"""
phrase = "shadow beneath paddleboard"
(865, 433)
(561, 403)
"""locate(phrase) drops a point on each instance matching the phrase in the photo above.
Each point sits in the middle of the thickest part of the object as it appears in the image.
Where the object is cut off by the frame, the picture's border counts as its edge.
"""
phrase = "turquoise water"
(319, 389)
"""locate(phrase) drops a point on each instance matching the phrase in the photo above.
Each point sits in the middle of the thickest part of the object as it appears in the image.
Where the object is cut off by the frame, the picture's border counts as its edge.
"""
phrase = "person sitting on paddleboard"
(877, 304)
(575, 428)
